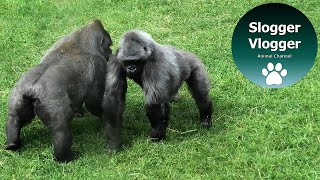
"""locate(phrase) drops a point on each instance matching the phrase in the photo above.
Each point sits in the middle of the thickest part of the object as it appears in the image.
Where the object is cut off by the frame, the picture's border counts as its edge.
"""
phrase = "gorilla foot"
(66, 157)
(113, 147)
(12, 146)
(206, 123)
(157, 135)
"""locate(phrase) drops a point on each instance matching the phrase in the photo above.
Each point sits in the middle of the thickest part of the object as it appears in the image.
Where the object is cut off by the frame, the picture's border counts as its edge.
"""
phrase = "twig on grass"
(180, 132)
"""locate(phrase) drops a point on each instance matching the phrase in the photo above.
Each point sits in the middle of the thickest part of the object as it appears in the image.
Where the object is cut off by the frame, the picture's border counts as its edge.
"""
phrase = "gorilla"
(160, 70)
(71, 73)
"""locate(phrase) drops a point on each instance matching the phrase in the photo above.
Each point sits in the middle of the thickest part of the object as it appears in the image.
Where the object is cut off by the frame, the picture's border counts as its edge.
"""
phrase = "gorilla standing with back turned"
(160, 71)
(71, 73)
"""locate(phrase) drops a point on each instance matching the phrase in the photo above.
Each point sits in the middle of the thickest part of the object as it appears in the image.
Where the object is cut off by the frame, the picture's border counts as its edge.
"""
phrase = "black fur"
(71, 73)
(160, 71)
(113, 103)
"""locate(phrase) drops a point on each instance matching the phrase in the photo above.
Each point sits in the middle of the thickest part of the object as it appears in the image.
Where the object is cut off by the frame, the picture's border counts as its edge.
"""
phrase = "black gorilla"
(160, 70)
(71, 73)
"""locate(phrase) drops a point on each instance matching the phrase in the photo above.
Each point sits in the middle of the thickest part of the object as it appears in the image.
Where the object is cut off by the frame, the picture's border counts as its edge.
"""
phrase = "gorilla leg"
(21, 111)
(62, 141)
(57, 115)
(113, 110)
(158, 115)
(199, 87)
(93, 102)
(114, 103)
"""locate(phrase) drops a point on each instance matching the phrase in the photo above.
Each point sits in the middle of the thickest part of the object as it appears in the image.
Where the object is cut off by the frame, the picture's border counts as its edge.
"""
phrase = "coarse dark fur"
(71, 73)
(160, 71)
(114, 103)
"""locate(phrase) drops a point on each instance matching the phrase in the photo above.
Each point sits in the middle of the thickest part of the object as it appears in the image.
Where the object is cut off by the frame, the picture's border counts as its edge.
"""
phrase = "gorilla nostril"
(131, 68)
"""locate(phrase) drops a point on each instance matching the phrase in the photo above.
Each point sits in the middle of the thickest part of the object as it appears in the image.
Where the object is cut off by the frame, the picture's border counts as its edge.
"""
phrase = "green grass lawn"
(257, 133)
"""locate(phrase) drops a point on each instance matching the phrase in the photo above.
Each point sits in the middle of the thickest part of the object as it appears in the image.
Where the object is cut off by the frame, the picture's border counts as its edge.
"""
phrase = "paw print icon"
(274, 74)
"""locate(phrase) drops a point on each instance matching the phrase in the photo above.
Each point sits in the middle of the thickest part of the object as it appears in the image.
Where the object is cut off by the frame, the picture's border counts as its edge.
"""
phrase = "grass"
(258, 133)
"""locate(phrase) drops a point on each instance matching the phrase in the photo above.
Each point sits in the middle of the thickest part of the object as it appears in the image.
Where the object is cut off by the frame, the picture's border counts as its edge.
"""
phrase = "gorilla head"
(134, 51)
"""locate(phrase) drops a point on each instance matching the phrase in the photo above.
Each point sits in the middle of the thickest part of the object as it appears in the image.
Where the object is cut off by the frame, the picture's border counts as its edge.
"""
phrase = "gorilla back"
(71, 73)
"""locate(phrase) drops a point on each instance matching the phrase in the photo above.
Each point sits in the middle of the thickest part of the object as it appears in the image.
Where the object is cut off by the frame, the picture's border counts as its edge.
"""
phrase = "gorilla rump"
(71, 73)
(160, 71)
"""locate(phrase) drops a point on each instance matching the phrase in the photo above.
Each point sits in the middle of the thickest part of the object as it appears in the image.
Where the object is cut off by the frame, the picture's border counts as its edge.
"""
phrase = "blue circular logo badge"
(274, 45)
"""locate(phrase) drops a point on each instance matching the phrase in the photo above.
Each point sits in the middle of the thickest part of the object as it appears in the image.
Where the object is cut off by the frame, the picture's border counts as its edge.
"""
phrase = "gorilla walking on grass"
(71, 73)
(160, 71)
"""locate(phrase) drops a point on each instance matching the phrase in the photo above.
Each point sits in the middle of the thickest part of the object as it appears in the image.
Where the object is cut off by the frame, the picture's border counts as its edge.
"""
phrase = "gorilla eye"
(145, 48)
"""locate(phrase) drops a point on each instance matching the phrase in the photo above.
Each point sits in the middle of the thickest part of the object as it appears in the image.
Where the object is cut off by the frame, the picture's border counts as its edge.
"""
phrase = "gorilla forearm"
(114, 103)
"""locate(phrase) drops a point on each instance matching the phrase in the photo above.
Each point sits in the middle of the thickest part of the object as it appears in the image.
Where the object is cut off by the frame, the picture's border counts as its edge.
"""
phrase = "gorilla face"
(133, 68)
(132, 57)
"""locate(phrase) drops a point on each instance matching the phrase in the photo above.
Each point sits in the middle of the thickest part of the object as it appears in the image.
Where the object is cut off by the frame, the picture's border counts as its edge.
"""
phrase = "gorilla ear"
(148, 50)
(105, 40)
(102, 41)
